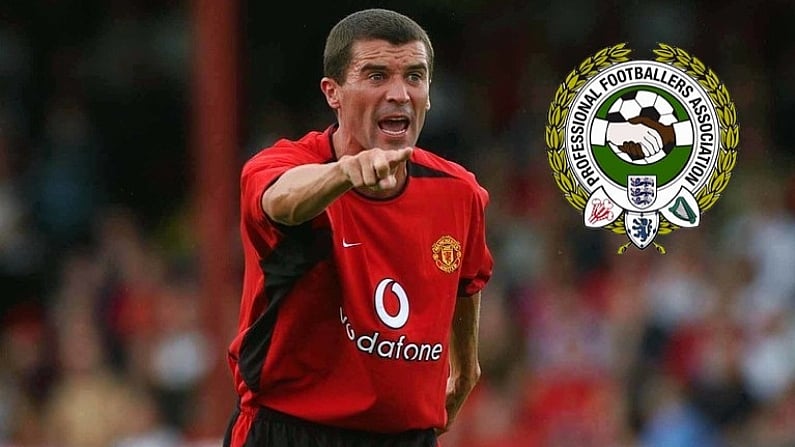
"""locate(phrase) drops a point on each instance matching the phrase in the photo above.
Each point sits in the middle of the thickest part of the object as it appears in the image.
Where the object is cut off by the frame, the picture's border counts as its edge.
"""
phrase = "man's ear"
(428, 103)
(331, 91)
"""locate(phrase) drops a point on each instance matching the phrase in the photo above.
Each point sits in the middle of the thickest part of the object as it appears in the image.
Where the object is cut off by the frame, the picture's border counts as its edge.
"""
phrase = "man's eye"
(376, 76)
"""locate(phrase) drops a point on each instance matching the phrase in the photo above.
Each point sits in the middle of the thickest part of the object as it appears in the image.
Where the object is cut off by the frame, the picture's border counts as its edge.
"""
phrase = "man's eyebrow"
(420, 66)
(373, 67)
(379, 67)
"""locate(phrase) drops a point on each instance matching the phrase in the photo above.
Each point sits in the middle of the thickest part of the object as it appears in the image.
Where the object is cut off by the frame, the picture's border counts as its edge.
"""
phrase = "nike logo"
(351, 244)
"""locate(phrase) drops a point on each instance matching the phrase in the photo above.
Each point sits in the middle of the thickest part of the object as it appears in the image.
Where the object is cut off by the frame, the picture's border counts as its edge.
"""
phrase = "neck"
(343, 145)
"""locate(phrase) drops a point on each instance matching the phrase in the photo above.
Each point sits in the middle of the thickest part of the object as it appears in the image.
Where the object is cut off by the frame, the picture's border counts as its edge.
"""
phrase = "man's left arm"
(464, 363)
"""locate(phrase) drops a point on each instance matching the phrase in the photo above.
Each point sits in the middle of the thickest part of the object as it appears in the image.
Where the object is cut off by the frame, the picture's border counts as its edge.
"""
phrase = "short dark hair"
(369, 24)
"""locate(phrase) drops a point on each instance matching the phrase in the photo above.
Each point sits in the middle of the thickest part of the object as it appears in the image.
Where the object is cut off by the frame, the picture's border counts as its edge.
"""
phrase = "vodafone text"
(378, 345)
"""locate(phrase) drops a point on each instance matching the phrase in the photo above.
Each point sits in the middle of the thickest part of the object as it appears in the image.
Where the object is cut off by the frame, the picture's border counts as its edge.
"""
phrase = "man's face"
(385, 95)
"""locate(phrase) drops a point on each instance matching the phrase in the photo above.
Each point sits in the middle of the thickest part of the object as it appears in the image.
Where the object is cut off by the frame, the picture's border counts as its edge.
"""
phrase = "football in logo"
(636, 104)
(642, 147)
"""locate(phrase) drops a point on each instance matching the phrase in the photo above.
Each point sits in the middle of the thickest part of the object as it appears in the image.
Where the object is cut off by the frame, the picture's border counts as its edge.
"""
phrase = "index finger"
(396, 157)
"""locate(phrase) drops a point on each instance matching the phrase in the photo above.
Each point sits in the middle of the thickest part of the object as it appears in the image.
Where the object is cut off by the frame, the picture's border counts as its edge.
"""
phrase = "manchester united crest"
(642, 147)
(447, 254)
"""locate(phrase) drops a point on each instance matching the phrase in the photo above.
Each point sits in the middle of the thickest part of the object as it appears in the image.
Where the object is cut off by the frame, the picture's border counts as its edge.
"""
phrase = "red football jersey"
(345, 319)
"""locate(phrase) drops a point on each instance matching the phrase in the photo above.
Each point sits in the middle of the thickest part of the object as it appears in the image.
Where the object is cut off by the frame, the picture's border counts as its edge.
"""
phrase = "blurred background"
(123, 126)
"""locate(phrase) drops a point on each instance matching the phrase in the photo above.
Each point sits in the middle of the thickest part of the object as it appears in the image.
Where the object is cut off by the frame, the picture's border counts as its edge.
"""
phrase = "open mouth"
(395, 126)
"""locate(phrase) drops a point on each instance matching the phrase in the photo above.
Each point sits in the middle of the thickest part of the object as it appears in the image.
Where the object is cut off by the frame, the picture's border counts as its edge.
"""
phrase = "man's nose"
(398, 92)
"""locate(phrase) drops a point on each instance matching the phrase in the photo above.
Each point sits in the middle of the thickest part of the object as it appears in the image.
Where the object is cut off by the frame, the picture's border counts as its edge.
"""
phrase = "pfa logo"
(642, 147)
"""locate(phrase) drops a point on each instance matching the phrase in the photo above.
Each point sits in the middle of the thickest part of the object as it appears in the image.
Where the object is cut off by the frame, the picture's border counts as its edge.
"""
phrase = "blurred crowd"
(101, 336)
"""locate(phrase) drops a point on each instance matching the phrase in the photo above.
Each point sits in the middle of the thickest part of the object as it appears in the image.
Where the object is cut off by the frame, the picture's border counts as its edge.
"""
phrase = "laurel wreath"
(727, 115)
(606, 57)
(559, 111)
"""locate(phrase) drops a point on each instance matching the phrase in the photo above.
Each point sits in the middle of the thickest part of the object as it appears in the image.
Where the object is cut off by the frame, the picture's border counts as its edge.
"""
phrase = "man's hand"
(374, 168)
(458, 390)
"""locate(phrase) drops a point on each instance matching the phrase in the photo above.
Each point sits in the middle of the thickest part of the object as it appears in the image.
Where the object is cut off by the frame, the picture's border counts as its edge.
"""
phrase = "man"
(364, 261)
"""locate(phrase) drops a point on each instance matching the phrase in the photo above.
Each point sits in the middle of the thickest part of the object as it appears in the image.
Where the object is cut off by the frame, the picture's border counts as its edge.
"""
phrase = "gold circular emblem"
(447, 254)
(624, 186)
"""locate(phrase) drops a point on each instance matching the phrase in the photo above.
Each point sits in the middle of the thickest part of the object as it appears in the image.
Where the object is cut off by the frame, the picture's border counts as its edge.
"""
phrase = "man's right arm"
(303, 192)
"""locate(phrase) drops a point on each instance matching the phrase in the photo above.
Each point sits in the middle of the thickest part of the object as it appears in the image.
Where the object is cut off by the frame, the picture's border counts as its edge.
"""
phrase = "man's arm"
(303, 192)
(464, 363)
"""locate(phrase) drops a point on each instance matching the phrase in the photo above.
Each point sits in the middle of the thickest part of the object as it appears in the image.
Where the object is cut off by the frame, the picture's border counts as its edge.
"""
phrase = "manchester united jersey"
(345, 319)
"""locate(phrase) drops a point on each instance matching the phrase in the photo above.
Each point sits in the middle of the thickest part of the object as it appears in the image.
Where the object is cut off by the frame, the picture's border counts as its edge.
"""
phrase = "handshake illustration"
(641, 137)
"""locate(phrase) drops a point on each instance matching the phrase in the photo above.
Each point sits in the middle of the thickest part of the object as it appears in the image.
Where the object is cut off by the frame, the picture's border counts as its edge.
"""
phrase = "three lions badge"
(642, 147)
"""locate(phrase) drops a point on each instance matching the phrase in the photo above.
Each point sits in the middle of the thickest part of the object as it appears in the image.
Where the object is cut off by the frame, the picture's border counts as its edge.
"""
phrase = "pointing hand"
(374, 168)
